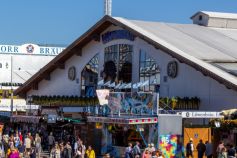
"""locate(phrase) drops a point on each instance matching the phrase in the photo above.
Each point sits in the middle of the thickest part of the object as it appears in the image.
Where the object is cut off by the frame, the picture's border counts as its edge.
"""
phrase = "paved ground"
(44, 154)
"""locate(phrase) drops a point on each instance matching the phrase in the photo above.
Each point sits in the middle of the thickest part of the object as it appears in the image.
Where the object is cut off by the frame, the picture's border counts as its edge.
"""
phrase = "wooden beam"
(35, 86)
(95, 37)
(60, 65)
(77, 51)
(47, 77)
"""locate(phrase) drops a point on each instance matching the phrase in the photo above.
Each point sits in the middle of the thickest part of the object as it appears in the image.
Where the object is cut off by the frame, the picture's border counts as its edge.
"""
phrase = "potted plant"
(174, 102)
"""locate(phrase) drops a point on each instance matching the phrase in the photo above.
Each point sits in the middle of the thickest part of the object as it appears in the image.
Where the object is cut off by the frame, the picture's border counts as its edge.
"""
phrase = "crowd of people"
(135, 151)
(222, 151)
(17, 145)
(65, 149)
(28, 145)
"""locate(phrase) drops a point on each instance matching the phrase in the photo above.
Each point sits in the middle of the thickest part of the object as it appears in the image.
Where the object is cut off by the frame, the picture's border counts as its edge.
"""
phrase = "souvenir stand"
(125, 117)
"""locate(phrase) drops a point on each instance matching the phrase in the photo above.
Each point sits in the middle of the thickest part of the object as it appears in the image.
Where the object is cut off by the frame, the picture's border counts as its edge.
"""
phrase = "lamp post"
(11, 90)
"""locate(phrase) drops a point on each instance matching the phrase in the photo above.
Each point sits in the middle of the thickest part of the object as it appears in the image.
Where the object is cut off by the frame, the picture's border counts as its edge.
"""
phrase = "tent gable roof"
(147, 32)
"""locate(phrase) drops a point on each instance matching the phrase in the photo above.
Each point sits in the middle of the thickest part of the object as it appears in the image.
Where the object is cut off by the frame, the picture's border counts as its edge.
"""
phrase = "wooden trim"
(35, 86)
(60, 65)
(47, 77)
(77, 51)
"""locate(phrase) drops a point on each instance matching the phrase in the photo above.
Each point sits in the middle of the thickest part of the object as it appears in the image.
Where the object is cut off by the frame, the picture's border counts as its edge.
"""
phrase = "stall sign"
(18, 105)
(117, 34)
(30, 49)
(201, 114)
(103, 96)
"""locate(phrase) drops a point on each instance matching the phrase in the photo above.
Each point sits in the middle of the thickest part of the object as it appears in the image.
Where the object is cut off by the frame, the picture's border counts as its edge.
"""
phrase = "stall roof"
(195, 45)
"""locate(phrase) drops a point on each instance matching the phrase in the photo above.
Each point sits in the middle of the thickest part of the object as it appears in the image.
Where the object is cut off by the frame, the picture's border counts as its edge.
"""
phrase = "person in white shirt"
(189, 148)
(152, 149)
(128, 151)
(27, 143)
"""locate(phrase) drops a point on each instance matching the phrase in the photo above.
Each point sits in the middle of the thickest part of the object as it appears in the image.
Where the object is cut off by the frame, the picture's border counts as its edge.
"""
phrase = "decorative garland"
(64, 100)
(177, 103)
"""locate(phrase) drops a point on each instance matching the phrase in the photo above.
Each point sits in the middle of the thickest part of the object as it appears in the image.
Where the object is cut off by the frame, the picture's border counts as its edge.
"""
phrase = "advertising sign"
(30, 49)
(18, 105)
(103, 96)
(135, 103)
(117, 34)
(201, 114)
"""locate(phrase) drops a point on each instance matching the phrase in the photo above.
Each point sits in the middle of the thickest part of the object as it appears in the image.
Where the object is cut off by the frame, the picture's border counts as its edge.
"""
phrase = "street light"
(217, 124)
(11, 90)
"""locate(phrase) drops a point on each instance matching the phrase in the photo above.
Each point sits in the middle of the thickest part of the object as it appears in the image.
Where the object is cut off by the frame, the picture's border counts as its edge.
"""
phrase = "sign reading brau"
(117, 34)
(30, 49)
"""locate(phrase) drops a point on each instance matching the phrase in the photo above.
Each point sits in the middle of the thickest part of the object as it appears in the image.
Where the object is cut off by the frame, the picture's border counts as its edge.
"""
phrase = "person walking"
(2, 151)
(51, 141)
(231, 151)
(208, 151)
(27, 144)
(37, 145)
(69, 150)
(219, 148)
(146, 154)
(128, 151)
(189, 148)
(17, 140)
(81, 150)
(57, 151)
(201, 148)
(14, 153)
(136, 150)
(223, 153)
(21, 149)
(90, 152)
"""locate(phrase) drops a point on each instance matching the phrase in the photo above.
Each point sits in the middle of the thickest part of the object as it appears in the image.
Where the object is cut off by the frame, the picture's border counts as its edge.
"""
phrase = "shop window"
(118, 63)
(89, 77)
(149, 70)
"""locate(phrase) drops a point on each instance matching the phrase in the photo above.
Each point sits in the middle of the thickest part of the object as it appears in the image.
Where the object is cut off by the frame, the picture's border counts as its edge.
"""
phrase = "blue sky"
(62, 21)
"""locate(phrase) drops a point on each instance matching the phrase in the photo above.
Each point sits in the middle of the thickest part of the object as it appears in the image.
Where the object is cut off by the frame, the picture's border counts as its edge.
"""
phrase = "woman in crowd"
(223, 153)
(146, 154)
(57, 151)
(37, 145)
(14, 153)
(90, 152)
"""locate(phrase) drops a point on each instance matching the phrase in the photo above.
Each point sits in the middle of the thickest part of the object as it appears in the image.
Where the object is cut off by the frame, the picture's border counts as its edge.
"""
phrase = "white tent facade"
(205, 60)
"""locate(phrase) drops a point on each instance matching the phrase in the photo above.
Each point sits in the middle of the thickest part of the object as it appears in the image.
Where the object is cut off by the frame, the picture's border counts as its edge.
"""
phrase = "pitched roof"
(194, 45)
(217, 15)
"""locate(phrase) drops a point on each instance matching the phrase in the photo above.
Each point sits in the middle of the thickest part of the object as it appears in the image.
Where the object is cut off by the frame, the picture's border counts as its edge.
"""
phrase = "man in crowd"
(208, 151)
(189, 148)
(201, 148)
